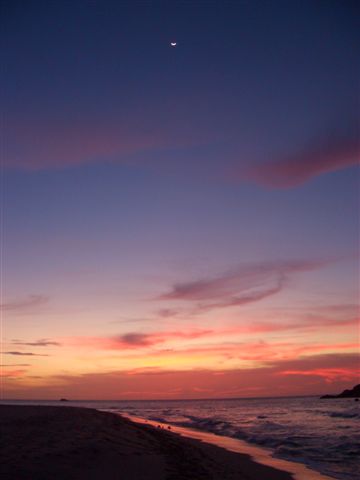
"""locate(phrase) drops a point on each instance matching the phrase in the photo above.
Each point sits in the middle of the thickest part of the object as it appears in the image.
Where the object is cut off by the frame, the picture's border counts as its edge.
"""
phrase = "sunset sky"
(179, 222)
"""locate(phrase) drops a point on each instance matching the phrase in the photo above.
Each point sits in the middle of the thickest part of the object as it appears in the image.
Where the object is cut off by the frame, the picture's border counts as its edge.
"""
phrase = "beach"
(42, 442)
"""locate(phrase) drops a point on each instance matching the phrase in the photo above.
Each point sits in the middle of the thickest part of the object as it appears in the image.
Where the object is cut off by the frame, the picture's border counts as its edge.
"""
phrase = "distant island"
(353, 393)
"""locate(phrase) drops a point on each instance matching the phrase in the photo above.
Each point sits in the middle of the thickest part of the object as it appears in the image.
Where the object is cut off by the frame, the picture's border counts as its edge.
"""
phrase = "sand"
(68, 443)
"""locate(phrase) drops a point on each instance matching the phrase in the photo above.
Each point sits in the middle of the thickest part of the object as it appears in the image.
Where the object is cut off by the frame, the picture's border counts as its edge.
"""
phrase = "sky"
(179, 222)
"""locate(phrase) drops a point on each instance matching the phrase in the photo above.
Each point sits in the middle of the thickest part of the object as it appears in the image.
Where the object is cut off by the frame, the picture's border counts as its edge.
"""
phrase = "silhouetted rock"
(64, 400)
(353, 393)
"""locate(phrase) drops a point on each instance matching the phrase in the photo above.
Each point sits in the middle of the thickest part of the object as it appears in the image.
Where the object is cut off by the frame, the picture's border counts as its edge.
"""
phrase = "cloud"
(340, 371)
(60, 142)
(43, 342)
(330, 367)
(329, 374)
(306, 365)
(48, 141)
(267, 352)
(23, 304)
(329, 155)
(224, 338)
(132, 320)
(251, 351)
(246, 284)
(245, 298)
(136, 340)
(16, 365)
(167, 312)
(26, 354)
(13, 373)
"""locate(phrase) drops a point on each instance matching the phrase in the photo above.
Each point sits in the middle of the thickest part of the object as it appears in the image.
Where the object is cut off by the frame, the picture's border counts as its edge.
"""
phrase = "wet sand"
(43, 443)
(261, 455)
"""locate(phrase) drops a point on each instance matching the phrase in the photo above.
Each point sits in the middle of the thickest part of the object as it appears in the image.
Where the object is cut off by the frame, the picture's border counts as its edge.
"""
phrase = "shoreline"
(261, 455)
(81, 443)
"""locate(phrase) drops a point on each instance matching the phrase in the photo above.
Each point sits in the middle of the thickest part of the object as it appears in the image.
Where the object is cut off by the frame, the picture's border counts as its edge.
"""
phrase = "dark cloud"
(44, 342)
(26, 354)
(16, 365)
(136, 339)
(23, 304)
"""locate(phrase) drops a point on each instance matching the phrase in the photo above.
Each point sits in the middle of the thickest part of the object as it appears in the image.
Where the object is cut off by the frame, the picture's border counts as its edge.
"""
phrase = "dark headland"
(353, 393)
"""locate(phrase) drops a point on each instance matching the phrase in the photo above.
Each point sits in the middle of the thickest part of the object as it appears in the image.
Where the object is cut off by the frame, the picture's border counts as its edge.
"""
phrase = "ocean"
(323, 434)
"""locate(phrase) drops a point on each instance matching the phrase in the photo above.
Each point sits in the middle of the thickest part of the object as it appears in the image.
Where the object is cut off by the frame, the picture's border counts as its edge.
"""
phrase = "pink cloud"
(261, 352)
(246, 284)
(154, 340)
(49, 141)
(65, 142)
(329, 374)
(13, 373)
(328, 156)
(135, 340)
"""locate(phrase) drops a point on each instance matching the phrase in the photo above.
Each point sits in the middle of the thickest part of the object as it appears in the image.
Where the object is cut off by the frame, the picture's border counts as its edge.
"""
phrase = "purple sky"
(198, 200)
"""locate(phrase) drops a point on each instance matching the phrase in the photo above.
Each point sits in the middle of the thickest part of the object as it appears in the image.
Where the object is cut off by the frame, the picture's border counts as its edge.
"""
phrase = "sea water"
(323, 434)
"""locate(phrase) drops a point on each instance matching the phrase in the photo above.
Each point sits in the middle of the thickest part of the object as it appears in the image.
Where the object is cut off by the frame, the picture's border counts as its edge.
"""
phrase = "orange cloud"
(13, 373)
